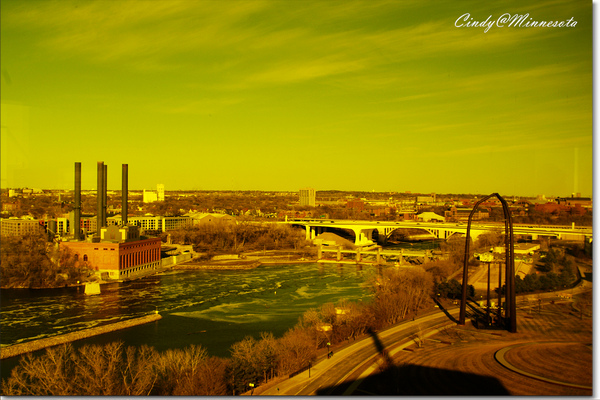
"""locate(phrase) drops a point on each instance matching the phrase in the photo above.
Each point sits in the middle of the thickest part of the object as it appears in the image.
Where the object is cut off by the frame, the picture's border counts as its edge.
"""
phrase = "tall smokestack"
(99, 197)
(77, 210)
(104, 195)
(124, 195)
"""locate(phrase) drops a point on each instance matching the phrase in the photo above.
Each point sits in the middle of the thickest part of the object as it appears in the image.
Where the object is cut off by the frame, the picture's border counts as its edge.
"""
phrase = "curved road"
(343, 372)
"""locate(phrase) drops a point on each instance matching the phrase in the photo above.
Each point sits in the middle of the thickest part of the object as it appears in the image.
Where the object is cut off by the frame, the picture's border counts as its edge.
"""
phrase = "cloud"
(206, 106)
(296, 44)
(129, 31)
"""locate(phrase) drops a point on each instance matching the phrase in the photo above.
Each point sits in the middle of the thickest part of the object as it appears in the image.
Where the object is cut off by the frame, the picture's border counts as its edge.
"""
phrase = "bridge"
(370, 232)
(374, 251)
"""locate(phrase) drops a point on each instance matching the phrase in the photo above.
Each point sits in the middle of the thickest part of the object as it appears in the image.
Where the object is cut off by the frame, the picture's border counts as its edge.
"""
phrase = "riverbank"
(22, 348)
(243, 262)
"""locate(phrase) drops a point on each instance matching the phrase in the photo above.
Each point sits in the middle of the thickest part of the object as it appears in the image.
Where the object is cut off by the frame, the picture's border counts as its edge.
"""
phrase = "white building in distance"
(160, 192)
(151, 196)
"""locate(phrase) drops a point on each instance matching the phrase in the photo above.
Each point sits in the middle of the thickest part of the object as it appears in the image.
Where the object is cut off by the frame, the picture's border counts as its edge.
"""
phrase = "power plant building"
(116, 252)
(119, 254)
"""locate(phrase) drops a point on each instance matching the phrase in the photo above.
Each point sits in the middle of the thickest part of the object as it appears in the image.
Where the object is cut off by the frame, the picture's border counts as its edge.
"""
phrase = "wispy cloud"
(515, 148)
(152, 34)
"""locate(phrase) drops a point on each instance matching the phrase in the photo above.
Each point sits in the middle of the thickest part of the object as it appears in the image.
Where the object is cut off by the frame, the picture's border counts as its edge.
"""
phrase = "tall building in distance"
(307, 197)
(160, 192)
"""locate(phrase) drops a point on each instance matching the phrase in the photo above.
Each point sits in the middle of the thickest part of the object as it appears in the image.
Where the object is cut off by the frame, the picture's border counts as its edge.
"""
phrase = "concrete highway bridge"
(370, 232)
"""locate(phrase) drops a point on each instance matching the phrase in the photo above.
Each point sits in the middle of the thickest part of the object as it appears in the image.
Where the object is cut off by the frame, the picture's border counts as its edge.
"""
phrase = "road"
(341, 373)
(344, 372)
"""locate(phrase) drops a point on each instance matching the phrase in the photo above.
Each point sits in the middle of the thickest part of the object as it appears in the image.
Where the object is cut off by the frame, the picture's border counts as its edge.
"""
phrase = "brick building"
(120, 254)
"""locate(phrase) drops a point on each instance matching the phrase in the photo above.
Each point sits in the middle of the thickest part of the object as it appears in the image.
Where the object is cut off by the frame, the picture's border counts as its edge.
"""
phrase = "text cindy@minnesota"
(511, 21)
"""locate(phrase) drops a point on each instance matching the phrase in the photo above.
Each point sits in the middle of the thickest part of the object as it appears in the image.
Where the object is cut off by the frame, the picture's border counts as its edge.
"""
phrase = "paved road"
(343, 373)
(337, 375)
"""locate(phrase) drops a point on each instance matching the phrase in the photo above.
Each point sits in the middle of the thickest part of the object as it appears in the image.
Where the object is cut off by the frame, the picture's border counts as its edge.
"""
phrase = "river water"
(210, 308)
(206, 307)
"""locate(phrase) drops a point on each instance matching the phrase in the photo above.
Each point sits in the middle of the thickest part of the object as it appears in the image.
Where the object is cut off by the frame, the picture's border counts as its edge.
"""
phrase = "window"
(85, 257)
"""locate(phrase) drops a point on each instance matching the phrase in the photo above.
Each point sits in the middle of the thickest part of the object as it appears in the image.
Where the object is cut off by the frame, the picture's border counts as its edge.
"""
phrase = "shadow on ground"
(409, 379)
(441, 307)
(418, 380)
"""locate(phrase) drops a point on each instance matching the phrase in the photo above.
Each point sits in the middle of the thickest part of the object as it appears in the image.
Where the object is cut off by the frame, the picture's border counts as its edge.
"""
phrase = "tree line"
(30, 261)
(223, 237)
(116, 370)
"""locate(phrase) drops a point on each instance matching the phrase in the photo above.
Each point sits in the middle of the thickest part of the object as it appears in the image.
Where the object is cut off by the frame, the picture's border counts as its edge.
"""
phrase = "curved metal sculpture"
(510, 319)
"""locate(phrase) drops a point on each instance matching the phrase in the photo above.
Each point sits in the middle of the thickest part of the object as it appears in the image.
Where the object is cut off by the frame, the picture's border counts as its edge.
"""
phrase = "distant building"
(426, 199)
(575, 201)
(63, 225)
(462, 214)
(153, 223)
(19, 226)
(207, 218)
(355, 204)
(307, 197)
(9, 206)
(160, 192)
(430, 217)
(149, 196)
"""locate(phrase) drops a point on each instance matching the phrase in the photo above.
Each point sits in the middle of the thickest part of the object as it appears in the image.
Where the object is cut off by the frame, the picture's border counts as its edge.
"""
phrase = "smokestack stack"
(124, 195)
(99, 197)
(77, 210)
(104, 195)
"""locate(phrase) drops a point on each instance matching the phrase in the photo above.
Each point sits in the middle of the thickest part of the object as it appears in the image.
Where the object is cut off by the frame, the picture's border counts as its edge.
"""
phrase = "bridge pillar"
(363, 237)
(339, 253)
(358, 254)
(378, 255)
(320, 252)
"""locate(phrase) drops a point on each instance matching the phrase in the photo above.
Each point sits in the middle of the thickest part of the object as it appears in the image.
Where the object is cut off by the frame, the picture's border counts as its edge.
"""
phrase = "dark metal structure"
(104, 194)
(100, 197)
(124, 189)
(510, 318)
(77, 209)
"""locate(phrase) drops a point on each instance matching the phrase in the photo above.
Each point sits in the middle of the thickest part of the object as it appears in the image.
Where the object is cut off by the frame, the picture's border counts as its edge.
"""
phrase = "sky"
(280, 95)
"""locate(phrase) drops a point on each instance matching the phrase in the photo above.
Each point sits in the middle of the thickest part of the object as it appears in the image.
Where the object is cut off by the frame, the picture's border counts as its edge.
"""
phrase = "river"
(210, 308)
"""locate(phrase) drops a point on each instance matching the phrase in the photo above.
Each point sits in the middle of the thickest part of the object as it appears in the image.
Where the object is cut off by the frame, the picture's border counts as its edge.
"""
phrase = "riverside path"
(340, 372)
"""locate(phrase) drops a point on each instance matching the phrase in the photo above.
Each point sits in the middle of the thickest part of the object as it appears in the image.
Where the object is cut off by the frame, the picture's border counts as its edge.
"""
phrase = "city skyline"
(389, 96)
